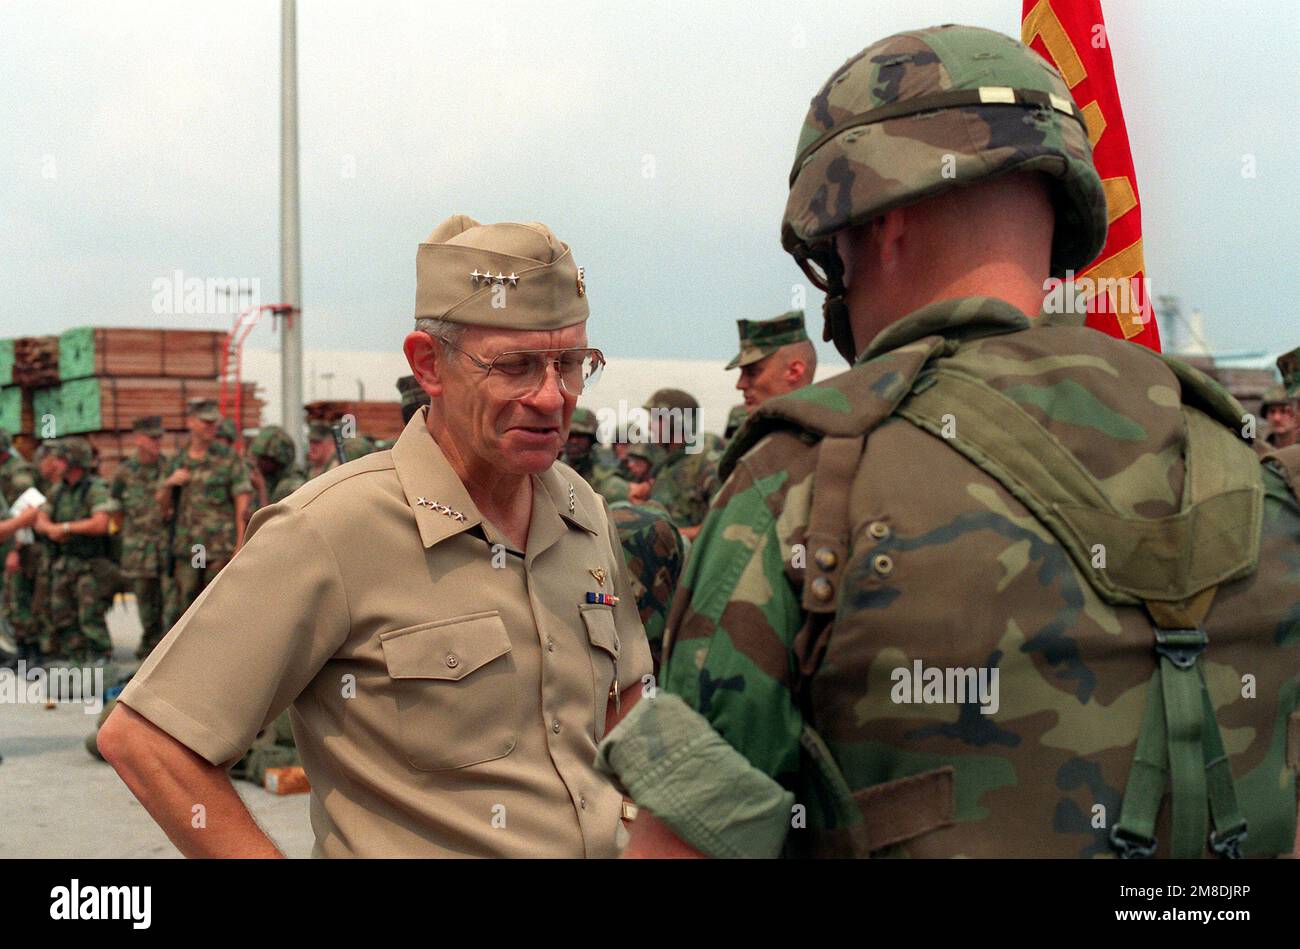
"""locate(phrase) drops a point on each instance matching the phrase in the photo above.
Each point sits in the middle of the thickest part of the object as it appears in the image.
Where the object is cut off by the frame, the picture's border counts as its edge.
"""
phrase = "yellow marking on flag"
(1042, 21)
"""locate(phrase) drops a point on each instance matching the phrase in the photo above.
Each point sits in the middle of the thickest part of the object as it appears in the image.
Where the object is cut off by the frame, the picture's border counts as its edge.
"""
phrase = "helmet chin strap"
(836, 327)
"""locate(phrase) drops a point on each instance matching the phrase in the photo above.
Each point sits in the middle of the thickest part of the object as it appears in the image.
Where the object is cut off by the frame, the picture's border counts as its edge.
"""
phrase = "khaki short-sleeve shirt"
(447, 692)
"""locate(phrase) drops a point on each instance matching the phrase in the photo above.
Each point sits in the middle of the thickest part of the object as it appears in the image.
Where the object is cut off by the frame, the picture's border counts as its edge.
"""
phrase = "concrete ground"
(58, 801)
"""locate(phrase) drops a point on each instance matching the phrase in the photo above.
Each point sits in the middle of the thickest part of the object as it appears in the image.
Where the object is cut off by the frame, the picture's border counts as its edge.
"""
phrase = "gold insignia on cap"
(599, 574)
(582, 281)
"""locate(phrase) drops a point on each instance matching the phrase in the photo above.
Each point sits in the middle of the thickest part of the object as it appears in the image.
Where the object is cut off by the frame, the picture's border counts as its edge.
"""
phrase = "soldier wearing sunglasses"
(449, 622)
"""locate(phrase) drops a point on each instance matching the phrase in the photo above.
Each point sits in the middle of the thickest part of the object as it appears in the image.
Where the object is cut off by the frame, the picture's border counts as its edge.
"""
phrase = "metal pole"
(291, 417)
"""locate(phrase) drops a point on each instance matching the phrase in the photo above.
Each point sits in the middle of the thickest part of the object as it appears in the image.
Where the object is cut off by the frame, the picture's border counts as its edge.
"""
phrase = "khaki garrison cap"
(459, 269)
(761, 338)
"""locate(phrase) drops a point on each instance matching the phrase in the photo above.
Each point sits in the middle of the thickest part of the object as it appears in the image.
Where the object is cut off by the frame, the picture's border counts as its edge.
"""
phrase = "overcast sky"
(142, 138)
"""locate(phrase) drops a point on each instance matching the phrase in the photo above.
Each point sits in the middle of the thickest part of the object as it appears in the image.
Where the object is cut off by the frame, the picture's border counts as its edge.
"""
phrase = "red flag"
(1071, 34)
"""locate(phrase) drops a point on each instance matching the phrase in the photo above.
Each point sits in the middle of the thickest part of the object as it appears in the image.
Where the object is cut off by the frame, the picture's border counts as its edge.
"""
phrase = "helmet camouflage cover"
(925, 111)
(583, 422)
(274, 442)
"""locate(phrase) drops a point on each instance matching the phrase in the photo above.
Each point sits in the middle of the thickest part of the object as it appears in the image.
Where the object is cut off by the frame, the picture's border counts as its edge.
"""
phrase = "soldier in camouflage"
(735, 418)
(413, 396)
(579, 454)
(273, 474)
(43, 555)
(227, 434)
(775, 357)
(655, 554)
(205, 490)
(685, 477)
(1008, 587)
(16, 476)
(144, 537)
(1279, 406)
(83, 577)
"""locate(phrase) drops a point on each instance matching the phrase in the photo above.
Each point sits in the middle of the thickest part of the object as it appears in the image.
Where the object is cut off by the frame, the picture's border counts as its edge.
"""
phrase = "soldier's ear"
(427, 361)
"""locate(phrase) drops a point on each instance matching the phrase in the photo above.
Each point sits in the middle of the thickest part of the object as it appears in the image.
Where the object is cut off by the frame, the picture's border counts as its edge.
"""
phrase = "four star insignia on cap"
(499, 279)
(440, 508)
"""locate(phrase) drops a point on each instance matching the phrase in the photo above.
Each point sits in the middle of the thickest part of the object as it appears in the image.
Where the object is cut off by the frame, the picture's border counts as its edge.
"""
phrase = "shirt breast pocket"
(603, 636)
(455, 686)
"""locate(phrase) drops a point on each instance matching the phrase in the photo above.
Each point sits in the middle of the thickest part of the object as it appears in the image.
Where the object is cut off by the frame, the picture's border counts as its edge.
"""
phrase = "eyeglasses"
(518, 374)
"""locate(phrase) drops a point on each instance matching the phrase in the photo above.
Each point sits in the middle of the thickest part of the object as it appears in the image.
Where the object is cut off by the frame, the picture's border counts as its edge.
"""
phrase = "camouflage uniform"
(655, 554)
(735, 418)
(685, 483)
(16, 476)
(83, 577)
(321, 432)
(274, 442)
(603, 479)
(988, 494)
(144, 538)
(205, 516)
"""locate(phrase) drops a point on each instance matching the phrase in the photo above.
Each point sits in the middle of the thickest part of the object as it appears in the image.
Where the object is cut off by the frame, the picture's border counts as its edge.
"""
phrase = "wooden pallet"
(376, 419)
(110, 351)
(111, 403)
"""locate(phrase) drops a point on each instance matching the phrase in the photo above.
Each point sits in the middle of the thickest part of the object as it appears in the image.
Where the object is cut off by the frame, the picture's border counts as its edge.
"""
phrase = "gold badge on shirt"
(599, 574)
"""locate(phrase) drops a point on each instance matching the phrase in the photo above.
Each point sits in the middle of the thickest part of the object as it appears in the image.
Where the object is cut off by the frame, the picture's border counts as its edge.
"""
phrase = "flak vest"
(1179, 774)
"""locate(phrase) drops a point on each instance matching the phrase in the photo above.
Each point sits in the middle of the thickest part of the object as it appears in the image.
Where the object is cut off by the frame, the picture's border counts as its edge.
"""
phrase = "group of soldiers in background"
(161, 528)
(165, 525)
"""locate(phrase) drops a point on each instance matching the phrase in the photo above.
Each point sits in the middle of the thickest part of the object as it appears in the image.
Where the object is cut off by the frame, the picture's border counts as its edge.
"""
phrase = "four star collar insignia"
(440, 508)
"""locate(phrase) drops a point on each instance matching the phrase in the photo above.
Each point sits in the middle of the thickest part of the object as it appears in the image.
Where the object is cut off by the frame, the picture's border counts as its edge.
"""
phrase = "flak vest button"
(883, 564)
(822, 589)
(878, 530)
(825, 558)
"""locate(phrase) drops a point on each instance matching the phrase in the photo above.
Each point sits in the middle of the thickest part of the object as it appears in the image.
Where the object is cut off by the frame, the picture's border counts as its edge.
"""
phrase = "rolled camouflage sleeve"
(731, 632)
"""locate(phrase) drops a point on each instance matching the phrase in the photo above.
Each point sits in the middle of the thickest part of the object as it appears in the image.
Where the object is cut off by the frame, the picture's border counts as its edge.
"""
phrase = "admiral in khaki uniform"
(450, 621)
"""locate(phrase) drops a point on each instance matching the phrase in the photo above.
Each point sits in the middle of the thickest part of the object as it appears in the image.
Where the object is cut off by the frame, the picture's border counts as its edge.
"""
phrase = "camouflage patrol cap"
(761, 338)
(411, 391)
(735, 418)
(226, 429)
(75, 450)
(1289, 365)
(464, 267)
(672, 399)
(583, 423)
(922, 112)
(151, 425)
(1275, 395)
(274, 442)
(204, 408)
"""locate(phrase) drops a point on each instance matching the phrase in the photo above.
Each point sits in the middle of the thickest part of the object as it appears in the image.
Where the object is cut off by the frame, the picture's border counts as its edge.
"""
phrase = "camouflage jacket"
(604, 480)
(655, 554)
(937, 565)
(16, 476)
(144, 536)
(206, 513)
(685, 483)
(75, 502)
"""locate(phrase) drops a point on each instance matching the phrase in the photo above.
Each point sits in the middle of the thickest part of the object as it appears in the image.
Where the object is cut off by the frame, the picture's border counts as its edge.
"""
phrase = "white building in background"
(337, 374)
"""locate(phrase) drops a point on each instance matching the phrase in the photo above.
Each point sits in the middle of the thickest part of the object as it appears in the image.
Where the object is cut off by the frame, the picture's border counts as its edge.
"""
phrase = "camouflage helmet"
(76, 451)
(583, 423)
(357, 447)
(922, 112)
(274, 442)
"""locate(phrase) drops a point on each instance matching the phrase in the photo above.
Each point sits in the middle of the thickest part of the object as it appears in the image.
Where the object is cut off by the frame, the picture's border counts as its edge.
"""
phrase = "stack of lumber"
(177, 354)
(110, 403)
(96, 381)
(375, 419)
(36, 361)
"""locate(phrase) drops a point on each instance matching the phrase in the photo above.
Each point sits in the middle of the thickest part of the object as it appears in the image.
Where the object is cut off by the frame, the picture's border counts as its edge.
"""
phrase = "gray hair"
(441, 328)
